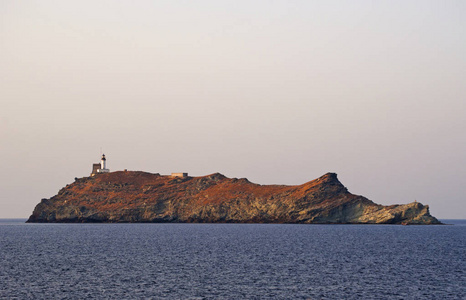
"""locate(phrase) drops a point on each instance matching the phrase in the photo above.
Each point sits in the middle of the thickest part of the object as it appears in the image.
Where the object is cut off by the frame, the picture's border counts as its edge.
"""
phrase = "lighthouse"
(103, 162)
(100, 168)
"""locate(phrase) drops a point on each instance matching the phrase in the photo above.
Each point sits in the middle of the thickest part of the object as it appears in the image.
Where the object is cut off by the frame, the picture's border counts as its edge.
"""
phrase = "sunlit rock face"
(131, 196)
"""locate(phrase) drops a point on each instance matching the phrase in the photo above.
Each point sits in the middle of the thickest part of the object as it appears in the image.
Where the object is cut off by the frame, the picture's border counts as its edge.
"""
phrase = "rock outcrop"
(129, 196)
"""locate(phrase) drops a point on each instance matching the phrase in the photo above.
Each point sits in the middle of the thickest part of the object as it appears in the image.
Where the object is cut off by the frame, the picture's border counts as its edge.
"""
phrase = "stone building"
(180, 175)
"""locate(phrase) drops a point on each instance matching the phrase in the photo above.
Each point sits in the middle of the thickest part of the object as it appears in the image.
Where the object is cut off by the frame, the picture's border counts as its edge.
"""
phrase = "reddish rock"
(130, 196)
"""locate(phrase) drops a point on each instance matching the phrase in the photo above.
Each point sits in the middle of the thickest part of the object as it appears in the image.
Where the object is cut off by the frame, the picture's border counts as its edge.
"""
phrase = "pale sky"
(280, 92)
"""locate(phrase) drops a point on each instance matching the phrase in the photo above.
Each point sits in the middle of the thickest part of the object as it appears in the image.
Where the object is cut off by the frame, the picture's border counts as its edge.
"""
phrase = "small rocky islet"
(141, 197)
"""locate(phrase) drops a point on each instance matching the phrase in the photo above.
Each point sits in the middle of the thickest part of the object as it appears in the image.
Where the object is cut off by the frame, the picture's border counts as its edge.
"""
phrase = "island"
(141, 197)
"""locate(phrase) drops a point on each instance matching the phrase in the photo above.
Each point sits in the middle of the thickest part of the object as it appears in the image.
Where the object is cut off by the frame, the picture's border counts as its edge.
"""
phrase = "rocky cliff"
(129, 196)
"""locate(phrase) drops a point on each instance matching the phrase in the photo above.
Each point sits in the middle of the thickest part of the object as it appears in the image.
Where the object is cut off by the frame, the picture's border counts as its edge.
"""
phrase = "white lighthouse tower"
(103, 165)
(103, 162)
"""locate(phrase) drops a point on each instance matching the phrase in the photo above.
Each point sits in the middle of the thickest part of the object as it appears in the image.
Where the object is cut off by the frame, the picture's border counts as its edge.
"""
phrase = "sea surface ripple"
(231, 261)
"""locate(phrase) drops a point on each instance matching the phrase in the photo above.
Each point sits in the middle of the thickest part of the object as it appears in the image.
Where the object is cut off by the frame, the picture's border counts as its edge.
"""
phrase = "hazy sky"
(280, 92)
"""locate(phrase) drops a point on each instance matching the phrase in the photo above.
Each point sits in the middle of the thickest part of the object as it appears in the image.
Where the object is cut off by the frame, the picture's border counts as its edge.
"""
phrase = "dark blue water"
(231, 261)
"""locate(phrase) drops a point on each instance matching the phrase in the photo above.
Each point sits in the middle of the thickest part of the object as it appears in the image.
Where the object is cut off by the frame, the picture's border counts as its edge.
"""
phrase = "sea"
(231, 261)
